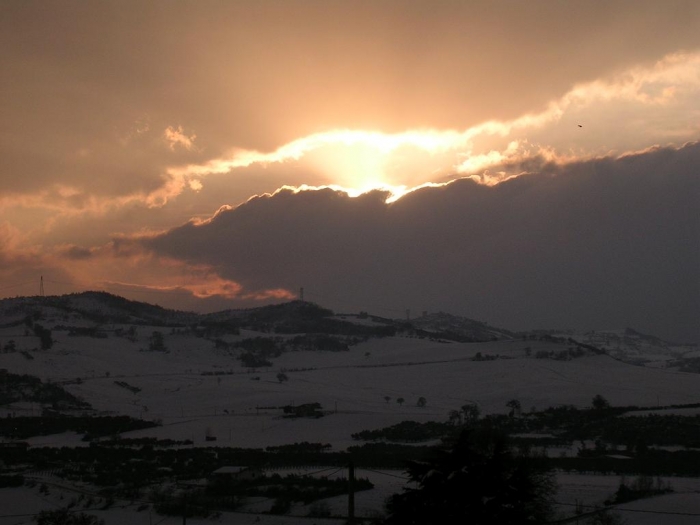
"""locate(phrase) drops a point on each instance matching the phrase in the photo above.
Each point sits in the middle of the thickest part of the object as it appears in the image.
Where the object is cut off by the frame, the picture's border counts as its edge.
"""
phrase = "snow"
(242, 407)
(669, 509)
(178, 387)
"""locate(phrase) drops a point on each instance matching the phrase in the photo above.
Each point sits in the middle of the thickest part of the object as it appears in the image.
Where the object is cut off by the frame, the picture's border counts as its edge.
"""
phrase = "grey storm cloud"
(601, 244)
(77, 253)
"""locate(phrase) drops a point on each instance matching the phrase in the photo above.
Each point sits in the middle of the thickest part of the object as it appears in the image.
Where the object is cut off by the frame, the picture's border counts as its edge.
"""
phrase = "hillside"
(109, 374)
(202, 374)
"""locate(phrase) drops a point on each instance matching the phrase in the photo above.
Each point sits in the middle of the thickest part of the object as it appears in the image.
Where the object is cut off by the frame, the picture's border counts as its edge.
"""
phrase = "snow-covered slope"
(196, 385)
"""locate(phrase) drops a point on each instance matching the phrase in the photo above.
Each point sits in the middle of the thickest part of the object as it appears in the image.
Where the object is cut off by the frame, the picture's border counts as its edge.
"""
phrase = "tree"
(387, 398)
(421, 402)
(65, 517)
(514, 404)
(480, 482)
(515, 407)
(44, 336)
(606, 517)
(455, 417)
(157, 342)
(600, 403)
(471, 413)
(281, 377)
(400, 400)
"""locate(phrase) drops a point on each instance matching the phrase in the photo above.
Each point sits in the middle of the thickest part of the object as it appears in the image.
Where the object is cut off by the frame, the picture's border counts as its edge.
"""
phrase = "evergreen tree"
(479, 482)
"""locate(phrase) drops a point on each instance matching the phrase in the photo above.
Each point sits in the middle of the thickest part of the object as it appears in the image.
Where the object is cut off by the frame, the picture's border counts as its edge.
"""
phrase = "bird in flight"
(580, 126)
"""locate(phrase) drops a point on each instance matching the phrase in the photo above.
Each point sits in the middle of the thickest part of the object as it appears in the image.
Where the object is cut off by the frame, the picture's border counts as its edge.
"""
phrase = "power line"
(323, 470)
(99, 286)
(338, 300)
(333, 473)
(405, 478)
(613, 507)
(70, 511)
(17, 285)
(132, 288)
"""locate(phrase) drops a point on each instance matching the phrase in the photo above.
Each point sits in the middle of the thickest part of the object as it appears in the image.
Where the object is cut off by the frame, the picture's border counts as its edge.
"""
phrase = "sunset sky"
(533, 164)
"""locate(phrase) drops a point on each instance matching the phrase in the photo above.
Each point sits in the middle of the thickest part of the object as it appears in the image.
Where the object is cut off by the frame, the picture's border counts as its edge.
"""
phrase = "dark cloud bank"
(603, 244)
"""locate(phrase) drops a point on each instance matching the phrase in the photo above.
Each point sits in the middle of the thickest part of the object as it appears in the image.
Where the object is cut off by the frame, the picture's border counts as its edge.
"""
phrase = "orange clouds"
(176, 137)
(607, 241)
(125, 267)
(360, 160)
(120, 123)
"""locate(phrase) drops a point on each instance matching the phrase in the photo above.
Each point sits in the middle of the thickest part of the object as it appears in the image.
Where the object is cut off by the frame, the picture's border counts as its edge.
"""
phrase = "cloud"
(176, 137)
(121, 169)
(604, 243)
(124, 267)
(22, 265)
(642, 105)
(77, 253)
(97, 137)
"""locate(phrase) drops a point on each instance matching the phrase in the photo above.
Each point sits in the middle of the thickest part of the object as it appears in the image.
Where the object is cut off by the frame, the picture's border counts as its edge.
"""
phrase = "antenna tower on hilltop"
(301, 294)
(41, 286)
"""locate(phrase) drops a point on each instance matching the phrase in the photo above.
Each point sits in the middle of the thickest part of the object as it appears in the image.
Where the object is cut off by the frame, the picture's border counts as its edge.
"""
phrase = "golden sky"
(125, 123)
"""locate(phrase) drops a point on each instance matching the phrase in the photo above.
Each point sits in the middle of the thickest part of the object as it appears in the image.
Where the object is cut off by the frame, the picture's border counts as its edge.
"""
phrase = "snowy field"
(178, 387)
(197, 390)
(682, 507)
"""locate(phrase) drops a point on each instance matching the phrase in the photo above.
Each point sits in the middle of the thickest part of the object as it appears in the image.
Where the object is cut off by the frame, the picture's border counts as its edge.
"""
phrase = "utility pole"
(351, 493)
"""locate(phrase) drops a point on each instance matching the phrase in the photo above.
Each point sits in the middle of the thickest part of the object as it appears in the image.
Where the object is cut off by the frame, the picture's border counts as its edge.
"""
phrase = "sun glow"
(365, 160)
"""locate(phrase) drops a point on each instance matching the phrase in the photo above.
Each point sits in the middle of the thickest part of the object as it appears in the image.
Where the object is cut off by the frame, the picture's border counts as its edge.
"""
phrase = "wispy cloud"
(125, 265)
(176, 137)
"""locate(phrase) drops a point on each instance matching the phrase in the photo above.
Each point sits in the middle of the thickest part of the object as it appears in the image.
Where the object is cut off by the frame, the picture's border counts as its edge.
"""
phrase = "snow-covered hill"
(191, 376)
(634, 347)
(187, 372)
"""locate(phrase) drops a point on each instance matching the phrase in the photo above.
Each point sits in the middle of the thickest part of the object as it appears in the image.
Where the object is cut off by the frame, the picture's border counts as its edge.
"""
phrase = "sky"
(529, 164)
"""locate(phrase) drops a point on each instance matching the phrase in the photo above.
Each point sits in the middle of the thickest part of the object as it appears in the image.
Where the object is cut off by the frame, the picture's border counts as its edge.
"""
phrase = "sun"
(359, 166)
(356, 161)
(362, 161)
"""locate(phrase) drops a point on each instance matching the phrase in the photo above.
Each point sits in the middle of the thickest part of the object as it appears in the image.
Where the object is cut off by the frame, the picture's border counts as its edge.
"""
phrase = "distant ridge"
(289, 317)
(296, 317)
(96, 306)
(460, 328)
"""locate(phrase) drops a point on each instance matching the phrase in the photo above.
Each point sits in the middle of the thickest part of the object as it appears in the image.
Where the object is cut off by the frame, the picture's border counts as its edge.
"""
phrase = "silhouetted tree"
(44, 336)
(455, 417)
(606, 517)
(471, 413)
(600, 403)
(479, 482)
(65, 517)
(157, 342)
(515, 407)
